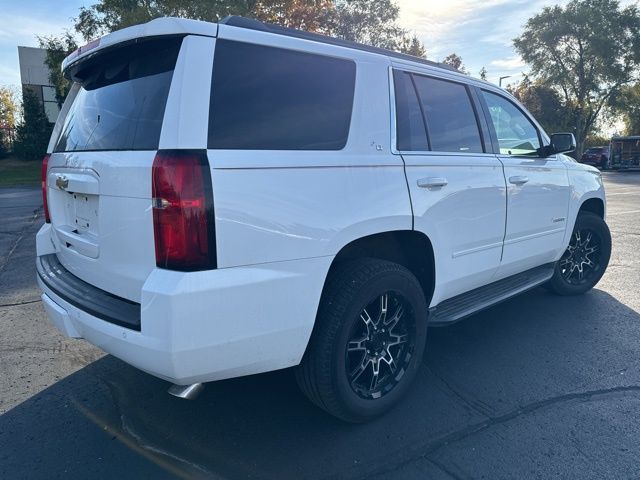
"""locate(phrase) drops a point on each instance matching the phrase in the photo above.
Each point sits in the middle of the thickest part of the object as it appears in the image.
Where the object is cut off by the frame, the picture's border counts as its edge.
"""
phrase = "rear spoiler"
(154, 28)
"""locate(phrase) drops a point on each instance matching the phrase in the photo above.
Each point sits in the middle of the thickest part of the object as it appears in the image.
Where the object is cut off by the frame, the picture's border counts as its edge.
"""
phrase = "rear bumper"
(206, 326)
(86, 297)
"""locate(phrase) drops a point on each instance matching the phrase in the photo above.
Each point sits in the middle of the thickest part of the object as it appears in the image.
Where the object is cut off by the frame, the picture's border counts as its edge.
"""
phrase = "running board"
(471, 302)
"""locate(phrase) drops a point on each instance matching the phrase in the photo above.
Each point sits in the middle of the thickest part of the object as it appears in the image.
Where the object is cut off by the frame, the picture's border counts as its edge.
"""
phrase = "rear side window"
(122, 96)
(451, 120)
(266, 98)
(411, 133)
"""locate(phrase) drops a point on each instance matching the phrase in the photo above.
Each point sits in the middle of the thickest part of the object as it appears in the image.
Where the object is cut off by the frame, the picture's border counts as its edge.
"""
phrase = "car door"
(457, 189)
(537, 188)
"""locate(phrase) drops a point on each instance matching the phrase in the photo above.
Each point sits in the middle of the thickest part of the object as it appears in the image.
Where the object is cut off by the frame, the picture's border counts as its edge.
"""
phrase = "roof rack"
(252, 24)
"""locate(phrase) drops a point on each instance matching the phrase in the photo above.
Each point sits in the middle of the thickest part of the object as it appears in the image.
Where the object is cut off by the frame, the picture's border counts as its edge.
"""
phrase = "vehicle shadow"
(109, 420)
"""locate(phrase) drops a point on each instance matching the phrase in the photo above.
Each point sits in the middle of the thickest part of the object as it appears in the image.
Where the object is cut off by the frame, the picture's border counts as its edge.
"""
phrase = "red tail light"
(183, 219)
(43, 176)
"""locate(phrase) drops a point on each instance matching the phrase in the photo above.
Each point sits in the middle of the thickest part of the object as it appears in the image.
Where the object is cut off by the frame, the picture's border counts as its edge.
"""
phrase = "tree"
(34, 130)
(411, 45)
(57, 49)
(587, 50)
(8, 110)
(372, 22)
(597, 140)
(545, 104)
(310, 15)
(455, 61)
(109, 15)
(627, 106)
(483, 73)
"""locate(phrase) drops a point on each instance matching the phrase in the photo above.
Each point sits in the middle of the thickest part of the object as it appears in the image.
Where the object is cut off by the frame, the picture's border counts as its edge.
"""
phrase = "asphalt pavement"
(538, 387)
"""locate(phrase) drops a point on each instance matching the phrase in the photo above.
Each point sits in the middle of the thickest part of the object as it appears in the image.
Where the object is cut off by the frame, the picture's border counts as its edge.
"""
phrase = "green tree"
(109, 15)
(8, 111)
(310, 15)
(455, 61)
(8, 108)
(372, 22)
(411, 45)
(34, 130)
(587, 50)
(545, 104)
(626, 105)
(597, 140)
(483, 73)
(57, 49)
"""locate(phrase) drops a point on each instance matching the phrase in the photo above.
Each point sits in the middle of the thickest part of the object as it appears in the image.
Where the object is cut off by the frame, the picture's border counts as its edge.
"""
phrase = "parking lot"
(538, 387)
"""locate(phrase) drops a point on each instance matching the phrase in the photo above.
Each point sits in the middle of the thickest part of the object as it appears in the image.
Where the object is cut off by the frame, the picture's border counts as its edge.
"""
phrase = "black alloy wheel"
(368, 340)
(586, 258)
(380, 346)
(581, 261)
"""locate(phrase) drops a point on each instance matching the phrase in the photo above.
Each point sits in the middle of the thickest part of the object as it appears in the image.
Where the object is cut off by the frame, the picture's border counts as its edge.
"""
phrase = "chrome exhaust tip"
(187, 392)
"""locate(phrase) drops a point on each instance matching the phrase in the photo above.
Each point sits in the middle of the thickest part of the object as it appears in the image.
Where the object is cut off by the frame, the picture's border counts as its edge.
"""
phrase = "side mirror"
(562, 143)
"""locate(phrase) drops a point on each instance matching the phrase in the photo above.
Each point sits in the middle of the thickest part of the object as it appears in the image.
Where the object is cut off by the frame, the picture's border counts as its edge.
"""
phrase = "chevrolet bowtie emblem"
(62, 182)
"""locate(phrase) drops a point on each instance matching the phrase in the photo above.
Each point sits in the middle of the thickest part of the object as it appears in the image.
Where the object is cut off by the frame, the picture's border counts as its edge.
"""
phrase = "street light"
(502, 78)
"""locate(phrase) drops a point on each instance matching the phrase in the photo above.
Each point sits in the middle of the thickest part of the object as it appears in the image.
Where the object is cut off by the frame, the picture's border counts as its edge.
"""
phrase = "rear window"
(411, 132)
(266, 98)
(122, 96)
(595, 150)
(451, 120)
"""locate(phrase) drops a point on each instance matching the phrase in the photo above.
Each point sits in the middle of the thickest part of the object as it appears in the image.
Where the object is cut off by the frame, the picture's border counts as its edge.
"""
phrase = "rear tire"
(585, 260)
(368, 340)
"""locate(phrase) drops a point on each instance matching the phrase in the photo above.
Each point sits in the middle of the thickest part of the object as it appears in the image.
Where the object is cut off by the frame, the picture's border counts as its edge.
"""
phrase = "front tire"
(586, 259)
(368, 341)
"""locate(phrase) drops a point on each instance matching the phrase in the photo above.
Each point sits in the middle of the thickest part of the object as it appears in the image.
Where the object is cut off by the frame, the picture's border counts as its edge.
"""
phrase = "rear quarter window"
(122, 97)
(410, 128)
(266, 98)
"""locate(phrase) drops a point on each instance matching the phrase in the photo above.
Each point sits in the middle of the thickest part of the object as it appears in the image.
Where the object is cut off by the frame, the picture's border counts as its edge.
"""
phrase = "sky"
(480, 31)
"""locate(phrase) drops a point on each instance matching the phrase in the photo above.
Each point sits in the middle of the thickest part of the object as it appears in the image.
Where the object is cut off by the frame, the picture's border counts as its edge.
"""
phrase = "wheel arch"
(593, 205)
(409, 248)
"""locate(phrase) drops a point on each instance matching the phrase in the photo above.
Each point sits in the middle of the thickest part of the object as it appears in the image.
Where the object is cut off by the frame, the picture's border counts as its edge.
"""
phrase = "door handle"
(432, 182)
(518, 180)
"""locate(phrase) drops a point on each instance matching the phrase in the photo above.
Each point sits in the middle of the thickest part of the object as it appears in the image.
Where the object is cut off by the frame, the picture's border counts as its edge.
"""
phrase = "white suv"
(228, 199)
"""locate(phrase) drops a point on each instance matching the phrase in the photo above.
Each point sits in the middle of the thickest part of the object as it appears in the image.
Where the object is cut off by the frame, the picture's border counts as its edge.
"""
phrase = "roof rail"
(252, 24)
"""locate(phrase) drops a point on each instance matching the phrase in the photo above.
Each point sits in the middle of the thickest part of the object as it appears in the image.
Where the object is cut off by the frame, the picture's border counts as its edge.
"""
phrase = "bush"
(4, 145)
(33, 132)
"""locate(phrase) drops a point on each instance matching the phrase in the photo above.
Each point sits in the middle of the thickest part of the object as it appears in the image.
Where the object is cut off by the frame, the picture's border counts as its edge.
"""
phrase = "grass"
(19, 172)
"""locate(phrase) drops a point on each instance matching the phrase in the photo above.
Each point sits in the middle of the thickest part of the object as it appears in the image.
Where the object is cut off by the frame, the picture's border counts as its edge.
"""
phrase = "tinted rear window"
(451, 121)
(266, 98)
(122, 97)
(411, 131)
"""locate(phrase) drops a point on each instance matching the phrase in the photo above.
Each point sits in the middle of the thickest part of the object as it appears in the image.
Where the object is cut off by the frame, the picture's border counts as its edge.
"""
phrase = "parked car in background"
(229, 199)
(596, 156)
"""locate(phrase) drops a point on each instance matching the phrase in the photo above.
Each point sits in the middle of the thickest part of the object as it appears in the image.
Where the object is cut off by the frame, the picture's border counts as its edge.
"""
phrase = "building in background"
(34, 76)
